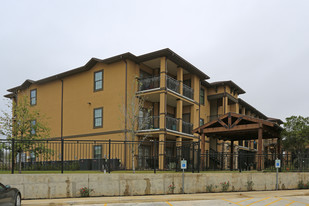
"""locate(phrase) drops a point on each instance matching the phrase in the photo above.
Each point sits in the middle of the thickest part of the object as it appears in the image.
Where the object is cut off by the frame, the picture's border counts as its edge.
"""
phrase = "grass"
(117, 172)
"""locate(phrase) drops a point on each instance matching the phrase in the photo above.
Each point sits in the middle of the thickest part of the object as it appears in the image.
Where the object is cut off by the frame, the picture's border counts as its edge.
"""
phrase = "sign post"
(183, 167)
(277, 165)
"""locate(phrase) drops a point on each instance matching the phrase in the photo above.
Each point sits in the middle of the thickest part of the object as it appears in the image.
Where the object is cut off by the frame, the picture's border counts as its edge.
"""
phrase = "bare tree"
(137, 119)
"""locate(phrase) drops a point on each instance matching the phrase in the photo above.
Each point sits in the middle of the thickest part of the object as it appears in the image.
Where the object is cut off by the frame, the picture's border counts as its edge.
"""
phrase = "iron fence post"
(109, 156)
(62, 150)
(199, 156)
(154, 157)
(13, 155)
(193, 157)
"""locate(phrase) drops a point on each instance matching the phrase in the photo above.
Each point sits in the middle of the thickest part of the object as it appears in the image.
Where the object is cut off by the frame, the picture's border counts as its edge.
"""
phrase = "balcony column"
(237, 107)
(180, 79)
(225, 104)
(163, 95)
(179, 114)
(195, 115)
(162, 139)
(163, 110)
(195, 85)
(243, 110)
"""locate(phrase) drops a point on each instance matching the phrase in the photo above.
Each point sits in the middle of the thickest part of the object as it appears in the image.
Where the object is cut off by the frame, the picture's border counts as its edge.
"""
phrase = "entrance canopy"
(233, 127)
(236, 127)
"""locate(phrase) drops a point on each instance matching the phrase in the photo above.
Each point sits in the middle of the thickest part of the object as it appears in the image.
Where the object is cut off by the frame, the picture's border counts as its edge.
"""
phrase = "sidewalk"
(164, 198)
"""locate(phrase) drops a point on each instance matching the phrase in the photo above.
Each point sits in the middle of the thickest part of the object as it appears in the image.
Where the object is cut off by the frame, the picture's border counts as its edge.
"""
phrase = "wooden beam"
(236, 128)
(236, 122)
(223, 124)
(260, 146)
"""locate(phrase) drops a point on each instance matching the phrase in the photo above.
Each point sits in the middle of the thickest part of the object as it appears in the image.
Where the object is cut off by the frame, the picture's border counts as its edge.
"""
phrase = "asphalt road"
(261, 198)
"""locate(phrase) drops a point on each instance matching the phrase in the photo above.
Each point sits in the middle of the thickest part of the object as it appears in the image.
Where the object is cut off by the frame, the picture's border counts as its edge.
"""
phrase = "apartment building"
(97, 101)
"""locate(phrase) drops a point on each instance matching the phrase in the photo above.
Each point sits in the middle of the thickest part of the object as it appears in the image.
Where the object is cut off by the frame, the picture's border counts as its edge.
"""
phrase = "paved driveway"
(262, 198)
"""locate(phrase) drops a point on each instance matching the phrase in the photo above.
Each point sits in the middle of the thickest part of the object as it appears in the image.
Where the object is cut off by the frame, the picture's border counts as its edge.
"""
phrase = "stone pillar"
(161, 151)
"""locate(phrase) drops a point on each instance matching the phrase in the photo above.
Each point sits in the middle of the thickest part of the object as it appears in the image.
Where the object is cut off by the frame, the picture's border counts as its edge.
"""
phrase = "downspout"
(61, 135)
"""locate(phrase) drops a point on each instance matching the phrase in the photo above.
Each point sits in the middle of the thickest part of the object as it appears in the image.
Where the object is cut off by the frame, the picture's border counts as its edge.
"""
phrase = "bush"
(225, 186)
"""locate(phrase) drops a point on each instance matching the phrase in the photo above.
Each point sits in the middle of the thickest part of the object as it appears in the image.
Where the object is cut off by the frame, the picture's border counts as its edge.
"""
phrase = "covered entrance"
(237, 127)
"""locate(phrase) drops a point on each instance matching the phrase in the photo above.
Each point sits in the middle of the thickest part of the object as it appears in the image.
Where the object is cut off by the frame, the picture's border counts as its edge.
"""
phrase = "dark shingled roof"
(229, 83)
(245, 104)
(137, 59)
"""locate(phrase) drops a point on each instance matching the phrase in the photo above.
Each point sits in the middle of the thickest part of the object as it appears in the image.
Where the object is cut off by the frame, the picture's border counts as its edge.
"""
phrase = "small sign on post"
(277, 165)
(183, 166)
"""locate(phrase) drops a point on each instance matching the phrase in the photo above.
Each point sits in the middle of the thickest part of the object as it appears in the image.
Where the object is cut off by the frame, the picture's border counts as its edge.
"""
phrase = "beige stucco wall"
(68, 185)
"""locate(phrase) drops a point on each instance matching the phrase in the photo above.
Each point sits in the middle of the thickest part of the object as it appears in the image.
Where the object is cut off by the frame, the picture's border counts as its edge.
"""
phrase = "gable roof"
(237, 126)
(125, 56)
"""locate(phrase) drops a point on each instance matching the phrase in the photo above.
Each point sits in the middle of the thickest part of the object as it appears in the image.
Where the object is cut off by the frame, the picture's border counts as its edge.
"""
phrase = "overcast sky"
(262, 45)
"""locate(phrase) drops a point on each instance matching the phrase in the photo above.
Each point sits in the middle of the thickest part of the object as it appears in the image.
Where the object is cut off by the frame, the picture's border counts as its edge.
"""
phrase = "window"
(98, 80)
(202, 96)
(246, 143)
(255, 145)
(98, 117)
(201, 121)
(97, 151)
(32, 124)
(33, 97)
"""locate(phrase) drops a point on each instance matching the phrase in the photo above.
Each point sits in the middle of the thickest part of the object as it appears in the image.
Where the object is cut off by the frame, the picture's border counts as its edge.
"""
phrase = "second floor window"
(98, 80)
(202, 96)
(33, 97)
(98, 117)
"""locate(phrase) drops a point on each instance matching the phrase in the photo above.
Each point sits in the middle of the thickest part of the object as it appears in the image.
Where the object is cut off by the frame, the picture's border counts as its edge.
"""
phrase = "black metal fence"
(70, 155)
(106, 156)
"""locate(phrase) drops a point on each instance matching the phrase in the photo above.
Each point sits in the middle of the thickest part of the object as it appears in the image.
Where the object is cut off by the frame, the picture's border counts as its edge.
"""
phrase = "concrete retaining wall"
(68, 185)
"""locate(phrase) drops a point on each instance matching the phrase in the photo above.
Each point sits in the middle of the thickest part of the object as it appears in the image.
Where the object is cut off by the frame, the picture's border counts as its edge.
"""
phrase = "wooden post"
(203, 151)
(231, 156)
(260, 147)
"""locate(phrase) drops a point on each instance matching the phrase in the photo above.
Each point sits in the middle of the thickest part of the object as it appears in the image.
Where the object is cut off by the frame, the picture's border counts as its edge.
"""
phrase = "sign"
(278, 163)
(183, 164)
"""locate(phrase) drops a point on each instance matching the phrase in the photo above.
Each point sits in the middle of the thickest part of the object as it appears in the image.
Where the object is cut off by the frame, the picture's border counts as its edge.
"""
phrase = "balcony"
(187, 127)
(172, 123)
(149, 83)
(172, 84)
(187, 91)
(148, 123)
